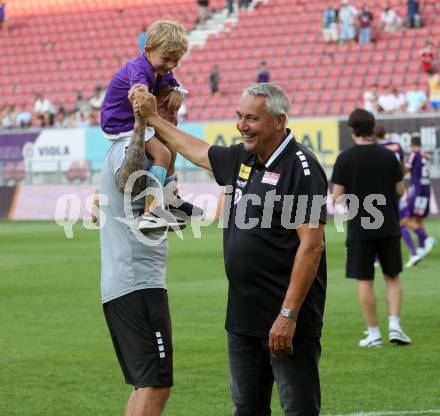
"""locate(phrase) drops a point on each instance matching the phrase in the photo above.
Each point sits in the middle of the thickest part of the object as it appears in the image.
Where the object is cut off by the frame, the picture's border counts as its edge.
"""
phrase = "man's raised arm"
(190, 147)
(134, 158)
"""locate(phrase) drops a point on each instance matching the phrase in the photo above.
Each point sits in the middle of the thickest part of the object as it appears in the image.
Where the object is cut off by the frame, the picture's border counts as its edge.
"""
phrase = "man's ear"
(281, 122)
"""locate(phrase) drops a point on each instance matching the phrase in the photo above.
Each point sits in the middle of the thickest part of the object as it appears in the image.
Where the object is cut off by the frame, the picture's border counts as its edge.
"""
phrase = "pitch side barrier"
(54, 150)
(40, 161)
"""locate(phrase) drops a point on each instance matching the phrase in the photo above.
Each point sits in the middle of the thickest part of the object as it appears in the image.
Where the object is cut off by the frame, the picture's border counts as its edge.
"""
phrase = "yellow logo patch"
(244, 171)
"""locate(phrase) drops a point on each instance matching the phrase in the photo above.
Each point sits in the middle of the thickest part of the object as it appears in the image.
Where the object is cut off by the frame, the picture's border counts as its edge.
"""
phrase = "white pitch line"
(395, 412)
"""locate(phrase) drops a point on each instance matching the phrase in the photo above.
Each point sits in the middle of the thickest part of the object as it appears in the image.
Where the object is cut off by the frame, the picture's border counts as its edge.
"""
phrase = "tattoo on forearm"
(133, 161)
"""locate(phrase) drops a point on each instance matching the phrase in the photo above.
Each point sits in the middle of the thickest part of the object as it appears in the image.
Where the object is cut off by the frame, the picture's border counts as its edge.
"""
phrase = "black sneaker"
(160, 220)
(185, 209)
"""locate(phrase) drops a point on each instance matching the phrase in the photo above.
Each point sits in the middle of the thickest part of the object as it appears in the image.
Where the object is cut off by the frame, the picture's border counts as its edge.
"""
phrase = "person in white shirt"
(98, 98)
(370, 99)
(347, 18)
(95, 104)
(400, 100)
(44, 110)
(416, 99)
(390, 20)
(388, 101)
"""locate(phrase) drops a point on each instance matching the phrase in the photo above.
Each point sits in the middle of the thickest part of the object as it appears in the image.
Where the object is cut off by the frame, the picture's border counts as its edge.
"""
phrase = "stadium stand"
(59, 47)
(321, 79)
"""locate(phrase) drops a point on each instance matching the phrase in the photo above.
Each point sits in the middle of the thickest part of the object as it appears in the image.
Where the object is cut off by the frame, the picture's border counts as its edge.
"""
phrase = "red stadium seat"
(101, 38)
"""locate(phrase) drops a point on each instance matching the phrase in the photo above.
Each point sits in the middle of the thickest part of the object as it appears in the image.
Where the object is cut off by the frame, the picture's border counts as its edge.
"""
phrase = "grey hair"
(277, 102)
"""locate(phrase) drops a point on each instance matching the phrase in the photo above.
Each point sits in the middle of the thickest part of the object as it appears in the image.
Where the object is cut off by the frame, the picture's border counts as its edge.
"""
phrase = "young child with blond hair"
(165, 46)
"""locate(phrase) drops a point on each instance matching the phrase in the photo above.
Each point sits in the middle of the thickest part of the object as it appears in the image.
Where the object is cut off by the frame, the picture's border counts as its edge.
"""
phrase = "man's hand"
(144, 104)
(174, 100)
(281, 335)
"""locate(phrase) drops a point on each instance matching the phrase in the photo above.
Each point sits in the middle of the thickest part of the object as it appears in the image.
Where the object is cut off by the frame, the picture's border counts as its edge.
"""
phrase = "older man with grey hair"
(276, 268)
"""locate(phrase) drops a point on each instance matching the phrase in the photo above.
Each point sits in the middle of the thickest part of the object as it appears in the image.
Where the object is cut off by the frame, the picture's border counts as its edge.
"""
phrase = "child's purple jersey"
(117, 113)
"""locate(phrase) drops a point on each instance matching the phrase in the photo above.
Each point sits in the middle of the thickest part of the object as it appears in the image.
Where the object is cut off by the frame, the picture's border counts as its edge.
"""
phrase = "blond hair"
(168, 36)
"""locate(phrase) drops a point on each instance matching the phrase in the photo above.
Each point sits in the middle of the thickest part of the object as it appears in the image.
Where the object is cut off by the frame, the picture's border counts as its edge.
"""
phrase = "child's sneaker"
(184, 209)
(160, 220)
(371, 340)
(177, 205)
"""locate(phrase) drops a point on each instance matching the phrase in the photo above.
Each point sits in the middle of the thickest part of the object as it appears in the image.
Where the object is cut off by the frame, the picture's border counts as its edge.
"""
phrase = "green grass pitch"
(56, 357)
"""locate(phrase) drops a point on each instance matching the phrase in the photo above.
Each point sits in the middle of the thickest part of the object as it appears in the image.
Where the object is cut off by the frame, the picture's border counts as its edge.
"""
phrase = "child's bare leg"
(172, 168)
(161, 157)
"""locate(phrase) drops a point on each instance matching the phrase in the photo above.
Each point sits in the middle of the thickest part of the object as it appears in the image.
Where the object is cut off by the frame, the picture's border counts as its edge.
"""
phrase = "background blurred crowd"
(85, 113)
(345, 23)
(342, 22)
(391, 100)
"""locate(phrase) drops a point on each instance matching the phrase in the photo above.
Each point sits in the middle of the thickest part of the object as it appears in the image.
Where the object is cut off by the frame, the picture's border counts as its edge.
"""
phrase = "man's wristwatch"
(288, 313)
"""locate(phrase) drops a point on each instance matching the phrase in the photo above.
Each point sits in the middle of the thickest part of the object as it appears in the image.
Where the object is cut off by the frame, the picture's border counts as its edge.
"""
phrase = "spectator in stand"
(230, 7)
(214, 78)
(2, 14)
(243, 4)
(81, 104)
(142, 38)
(83, 120)
(97, 99)
(24, 117)
(416, 100)
(434, 91)
(7, 118)
(413, 14)
(203, 12)
(399, 99)
(370, 99)
(347, 15)
(95, 104)
(44, 110)
(390, 20)
(365, 19)
(330, 24)
(388, 102)
(427, 57)
(61, 118)
(263, 73)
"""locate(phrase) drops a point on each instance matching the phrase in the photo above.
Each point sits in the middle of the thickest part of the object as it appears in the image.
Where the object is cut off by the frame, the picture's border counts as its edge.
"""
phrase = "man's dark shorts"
(140, 327)
(361, 255)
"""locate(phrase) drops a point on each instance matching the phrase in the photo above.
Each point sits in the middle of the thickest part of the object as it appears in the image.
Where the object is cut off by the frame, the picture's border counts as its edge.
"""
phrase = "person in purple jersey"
(2, 14)
(419, 192)
(165, 46)
(263, 73)
(407, 222)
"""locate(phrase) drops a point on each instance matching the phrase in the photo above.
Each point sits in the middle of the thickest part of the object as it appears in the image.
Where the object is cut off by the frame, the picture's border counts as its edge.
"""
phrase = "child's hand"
(143, 103)
(174, 100)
